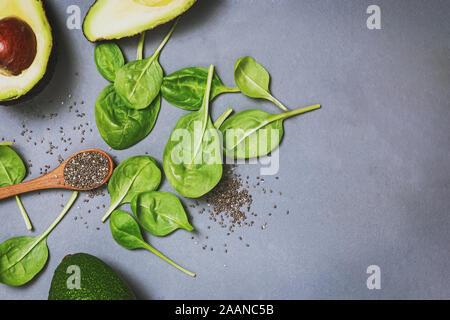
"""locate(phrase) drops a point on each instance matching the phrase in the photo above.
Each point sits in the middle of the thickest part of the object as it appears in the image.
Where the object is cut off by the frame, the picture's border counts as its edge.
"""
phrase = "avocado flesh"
(32, 12)
(97, 280)
(115, 19)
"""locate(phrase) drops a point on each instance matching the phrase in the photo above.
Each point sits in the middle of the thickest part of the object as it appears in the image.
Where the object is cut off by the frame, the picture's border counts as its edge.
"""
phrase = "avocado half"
(115, 19)
(31, 13)
(82, 276)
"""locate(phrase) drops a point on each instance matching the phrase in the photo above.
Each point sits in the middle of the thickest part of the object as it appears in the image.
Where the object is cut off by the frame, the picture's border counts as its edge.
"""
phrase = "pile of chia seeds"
(230, 202)
(86, 170)
(229, 205)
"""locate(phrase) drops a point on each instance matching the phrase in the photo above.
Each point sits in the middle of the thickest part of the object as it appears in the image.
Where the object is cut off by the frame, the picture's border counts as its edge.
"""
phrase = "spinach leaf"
(253, 80)
(22, 258)
(160, 213)
(126, 232)
(120, 126)
(12, 168)
(194, 167)
(133, 176)
(255, 133)
(139, 82)
(108, 59)
(12, 171)
(185, 88)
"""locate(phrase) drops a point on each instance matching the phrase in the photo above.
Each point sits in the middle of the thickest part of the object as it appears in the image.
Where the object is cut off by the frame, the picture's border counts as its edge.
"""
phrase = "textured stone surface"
(366, 179)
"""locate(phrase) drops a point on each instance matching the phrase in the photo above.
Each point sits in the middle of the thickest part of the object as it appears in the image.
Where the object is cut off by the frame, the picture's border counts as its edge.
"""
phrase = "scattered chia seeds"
(96, 193)
(86, 170)
(230, 203)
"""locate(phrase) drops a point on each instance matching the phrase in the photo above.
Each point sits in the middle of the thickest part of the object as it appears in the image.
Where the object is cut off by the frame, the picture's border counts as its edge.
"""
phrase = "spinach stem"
(163, 43)
(281, 116)
(61, 215)
(111, 208)
(225, 89)
(278, 103)
(53, 225)
(154, 56)
(205, 110)
(230, 89)
(24, 214)
(207, 95)
(140, 50)
(6, 143)
(218, 123)
(159, 254)
(295, 112)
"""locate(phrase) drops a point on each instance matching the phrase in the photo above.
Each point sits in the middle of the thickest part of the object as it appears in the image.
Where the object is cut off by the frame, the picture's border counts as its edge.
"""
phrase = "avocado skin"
(98, 281)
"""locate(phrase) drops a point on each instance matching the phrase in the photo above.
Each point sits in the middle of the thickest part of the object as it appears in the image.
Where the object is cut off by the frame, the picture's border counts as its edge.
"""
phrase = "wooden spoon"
(53, 180)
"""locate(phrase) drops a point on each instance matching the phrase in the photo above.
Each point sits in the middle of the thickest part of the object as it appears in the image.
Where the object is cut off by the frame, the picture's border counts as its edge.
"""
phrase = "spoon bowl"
(54, 179)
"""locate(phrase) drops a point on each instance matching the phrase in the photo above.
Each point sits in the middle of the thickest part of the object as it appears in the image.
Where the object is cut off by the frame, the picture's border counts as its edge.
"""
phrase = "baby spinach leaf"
(253, 80)
(192, 157)
(133, 176)
(108, 59)
(255, 133)
(185, 88)
(12, 171)
(160, 213)
(139, 82)
(120, 126)
(126, 232)
(22, 258)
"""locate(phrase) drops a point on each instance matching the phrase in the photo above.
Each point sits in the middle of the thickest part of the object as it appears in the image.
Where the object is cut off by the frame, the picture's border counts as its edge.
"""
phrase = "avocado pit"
(18, 46)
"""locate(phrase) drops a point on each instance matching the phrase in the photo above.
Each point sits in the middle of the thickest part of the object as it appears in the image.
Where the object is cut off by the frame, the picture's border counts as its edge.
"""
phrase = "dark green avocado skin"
(98, 281)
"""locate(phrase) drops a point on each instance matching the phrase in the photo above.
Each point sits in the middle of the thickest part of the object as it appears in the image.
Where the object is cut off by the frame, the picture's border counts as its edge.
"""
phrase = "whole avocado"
(97, 280)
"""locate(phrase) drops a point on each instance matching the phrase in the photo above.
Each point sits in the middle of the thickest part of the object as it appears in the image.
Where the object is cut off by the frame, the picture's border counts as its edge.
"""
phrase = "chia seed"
(228, 200)
(86, 170)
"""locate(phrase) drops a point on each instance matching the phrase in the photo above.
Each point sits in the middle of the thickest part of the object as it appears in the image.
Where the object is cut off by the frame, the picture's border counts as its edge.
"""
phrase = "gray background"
(366, 179)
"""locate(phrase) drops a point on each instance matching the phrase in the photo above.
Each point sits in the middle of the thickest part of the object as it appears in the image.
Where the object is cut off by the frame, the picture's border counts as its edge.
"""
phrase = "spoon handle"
(52, 180)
